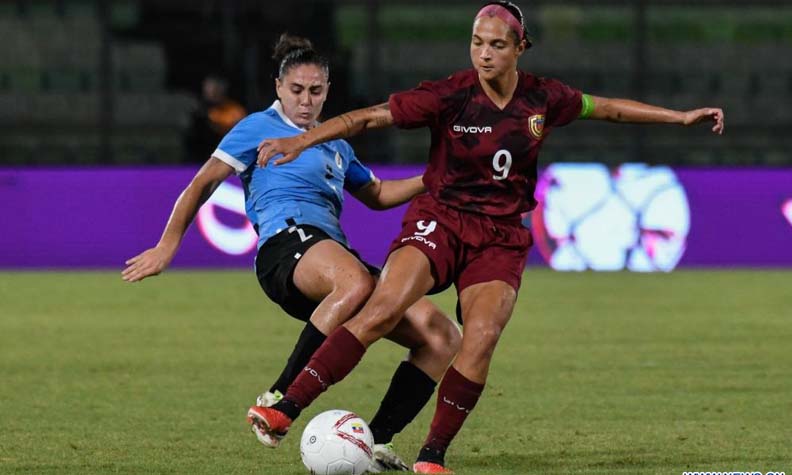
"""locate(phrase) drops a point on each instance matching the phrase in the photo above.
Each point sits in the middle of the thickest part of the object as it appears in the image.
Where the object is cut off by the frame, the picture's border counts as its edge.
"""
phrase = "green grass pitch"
(596, 373)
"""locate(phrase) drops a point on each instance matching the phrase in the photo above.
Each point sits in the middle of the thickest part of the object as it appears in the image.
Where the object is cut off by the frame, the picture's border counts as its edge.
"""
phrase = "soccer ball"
(336, 442)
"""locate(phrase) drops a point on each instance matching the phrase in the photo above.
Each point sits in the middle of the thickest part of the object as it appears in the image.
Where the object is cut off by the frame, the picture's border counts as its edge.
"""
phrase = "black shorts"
(275, 263)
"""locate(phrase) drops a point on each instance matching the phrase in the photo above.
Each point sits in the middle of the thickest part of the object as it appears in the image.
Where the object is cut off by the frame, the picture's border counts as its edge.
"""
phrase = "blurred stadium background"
(116, 82)
(102, 123)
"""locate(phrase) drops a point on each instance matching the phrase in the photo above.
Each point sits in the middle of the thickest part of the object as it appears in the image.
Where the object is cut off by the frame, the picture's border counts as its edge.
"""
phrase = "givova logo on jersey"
(472, 129)
(424, 229)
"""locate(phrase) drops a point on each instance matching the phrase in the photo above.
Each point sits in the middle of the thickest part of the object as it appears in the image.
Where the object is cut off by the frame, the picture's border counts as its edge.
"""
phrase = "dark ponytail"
(292, 51)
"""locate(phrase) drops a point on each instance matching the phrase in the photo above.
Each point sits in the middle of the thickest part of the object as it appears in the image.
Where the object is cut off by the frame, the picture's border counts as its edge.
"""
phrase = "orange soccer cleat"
(269, 425)
(431, 467)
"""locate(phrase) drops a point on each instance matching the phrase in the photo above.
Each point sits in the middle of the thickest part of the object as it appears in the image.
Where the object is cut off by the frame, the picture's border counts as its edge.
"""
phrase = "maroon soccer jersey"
(483, 159)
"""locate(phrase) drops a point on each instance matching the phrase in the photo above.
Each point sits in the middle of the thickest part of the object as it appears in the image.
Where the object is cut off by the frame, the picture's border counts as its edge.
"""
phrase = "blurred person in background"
(304, 262)
(215, 116)
(487, 125)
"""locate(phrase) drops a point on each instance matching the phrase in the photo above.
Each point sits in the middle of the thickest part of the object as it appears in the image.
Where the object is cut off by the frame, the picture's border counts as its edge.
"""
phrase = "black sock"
(289, 408)
(309, 341)
(428, 454)
(409, 391)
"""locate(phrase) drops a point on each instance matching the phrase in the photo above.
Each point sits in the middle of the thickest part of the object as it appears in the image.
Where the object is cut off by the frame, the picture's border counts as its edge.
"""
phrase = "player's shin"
(309, 341)
(456, 398)
(335, 359)
(409, 391)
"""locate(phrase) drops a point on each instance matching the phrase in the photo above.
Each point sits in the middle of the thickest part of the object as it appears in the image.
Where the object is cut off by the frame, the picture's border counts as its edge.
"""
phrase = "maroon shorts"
(464, 248)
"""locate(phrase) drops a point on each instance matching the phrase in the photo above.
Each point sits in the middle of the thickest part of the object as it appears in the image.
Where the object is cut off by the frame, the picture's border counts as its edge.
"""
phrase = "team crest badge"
(339, 162)
(536, 125)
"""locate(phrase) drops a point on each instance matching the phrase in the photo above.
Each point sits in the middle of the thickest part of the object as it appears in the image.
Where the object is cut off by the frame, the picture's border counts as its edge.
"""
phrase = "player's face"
(492, 48)
(303, 91)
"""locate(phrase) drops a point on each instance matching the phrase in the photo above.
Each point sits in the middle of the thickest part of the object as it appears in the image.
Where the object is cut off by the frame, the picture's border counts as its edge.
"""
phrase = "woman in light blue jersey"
(304, 263)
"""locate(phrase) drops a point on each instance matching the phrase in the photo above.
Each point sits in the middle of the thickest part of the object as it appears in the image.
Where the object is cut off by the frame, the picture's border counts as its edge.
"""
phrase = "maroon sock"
(337, 356)
(456, 397)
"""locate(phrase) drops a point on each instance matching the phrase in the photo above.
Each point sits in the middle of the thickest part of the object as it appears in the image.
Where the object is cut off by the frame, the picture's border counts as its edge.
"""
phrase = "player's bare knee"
(445, 339)
(380, 316)
(355, 291)
(481, 338)
(383, 323)
(482, 353)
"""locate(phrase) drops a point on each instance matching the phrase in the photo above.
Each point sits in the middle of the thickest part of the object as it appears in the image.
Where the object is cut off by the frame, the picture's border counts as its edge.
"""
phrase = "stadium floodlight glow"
(636, 217)
(230, 240)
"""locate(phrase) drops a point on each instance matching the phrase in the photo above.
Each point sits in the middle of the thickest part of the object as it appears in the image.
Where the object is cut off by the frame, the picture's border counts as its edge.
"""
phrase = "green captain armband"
(587, 108)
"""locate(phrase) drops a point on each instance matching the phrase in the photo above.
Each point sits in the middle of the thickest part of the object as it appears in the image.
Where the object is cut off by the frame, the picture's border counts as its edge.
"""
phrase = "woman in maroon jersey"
(487, 125)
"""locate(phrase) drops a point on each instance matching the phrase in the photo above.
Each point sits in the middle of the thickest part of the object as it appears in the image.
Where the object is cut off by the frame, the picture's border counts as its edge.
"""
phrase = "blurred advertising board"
(635, 217)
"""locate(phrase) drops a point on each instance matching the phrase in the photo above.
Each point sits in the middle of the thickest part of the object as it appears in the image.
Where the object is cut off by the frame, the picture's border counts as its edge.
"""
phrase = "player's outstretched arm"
(153, 261)
(340, 127)
(626, 110)
(387, 194)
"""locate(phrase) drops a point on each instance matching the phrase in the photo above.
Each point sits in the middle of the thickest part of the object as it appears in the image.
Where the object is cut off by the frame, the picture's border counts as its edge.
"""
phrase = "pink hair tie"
(505, 15)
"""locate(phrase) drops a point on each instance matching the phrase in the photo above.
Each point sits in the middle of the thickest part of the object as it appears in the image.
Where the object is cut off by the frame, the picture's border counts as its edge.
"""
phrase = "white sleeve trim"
(223, 156)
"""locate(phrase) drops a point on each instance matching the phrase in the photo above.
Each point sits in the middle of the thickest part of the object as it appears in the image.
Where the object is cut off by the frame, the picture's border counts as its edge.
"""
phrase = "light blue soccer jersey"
(308, 190)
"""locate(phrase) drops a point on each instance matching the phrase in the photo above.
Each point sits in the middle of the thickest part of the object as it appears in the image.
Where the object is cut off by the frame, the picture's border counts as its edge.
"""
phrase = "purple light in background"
(735, 219)
(98, 218)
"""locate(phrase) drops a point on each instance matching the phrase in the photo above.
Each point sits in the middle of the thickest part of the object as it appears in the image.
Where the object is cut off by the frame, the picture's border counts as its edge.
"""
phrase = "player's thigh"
(492, 264)
(404, 280)
(327, 266)
(427, 228)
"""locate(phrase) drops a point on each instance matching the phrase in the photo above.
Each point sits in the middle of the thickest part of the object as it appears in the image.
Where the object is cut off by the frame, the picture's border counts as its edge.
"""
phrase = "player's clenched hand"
(708, 114)
(146, 264)
(289, 147)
